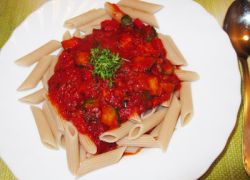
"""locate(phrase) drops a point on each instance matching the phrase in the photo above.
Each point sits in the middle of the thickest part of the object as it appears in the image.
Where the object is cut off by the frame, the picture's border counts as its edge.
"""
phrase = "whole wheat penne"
(186, 102)
(37, 54)
(145, 17)
(83, 154)
(84, 18)
(52, 123)
(118, 133)
(67, 36)
(155, 132)
(141, 5)
(148, 123)
(36, 75)
(169, 123)
(145, 140)
(96, 22)
(72, 147)
(100, 161)
(87, 143)
(186, 75)
(44, 130)
(34, 98)
(59, 120)
(173, 53)
(49, 72)
(132, 150)
(148, 113)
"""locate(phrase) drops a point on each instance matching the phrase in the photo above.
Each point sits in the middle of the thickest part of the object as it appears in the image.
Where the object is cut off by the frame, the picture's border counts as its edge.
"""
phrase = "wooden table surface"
(227, 166)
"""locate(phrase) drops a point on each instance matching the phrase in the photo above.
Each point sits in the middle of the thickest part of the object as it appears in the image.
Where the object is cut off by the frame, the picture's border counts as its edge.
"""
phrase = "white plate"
(192, 149)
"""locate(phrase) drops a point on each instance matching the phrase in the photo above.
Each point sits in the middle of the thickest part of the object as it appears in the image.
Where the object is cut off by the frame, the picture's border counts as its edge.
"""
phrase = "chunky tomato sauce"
(144, 79)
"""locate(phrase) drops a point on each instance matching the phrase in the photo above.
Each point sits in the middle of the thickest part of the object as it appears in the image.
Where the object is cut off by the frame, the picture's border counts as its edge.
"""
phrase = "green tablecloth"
(227, 166)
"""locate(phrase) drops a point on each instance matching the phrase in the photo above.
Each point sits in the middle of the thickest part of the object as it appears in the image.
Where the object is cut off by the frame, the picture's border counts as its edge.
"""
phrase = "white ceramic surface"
(192, 149)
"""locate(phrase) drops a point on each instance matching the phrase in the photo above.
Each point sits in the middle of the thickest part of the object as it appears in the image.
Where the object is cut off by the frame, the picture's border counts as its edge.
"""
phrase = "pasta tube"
(84, 18)
(37, 54)
(173, 53)
(186, 75)
(148, 123)
(100, 161)
(72, 147)
(143, 141)
(116, 134)
(141, 5)
(169, 123)
(36, 75)
(87, 143)
(34, 98)
(44, 130)
(186, 102)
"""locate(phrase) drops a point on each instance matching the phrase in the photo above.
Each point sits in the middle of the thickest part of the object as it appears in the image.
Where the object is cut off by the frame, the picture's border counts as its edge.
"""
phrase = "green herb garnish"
(126, 20)
(105, 63)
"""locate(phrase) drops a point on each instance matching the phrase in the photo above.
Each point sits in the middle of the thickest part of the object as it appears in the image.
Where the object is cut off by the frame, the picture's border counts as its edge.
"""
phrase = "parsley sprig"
(105, 63)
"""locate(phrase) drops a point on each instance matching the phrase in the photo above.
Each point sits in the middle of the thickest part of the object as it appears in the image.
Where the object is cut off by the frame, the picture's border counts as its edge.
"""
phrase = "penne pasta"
(186, 75)
(169, 123)
(59, 120)
(91, 24)
(83, 154)
(148, 113)
(34, 98)
(145, 17)
(49, 72)
(36, 75)
(145, 140)
(173, 53)
(52, 123)
(150, 122)
(116, 134)
(44, 130)
(155, 132)
(84, 18)
(87, 143)
(100, 161)
(72, 147)
(67, 36)
(186, 102)
(37, 54)
(141, 5)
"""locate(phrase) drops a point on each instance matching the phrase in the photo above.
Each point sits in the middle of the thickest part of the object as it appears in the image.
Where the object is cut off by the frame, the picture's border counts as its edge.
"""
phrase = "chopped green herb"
(151, 35)
(126, 20)
(105, 63)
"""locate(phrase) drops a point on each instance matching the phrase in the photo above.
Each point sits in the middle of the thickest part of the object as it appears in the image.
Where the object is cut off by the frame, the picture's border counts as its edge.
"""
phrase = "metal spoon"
(237, 25)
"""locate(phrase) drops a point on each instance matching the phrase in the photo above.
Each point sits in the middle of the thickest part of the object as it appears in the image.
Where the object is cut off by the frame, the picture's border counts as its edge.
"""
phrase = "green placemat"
(227, 166)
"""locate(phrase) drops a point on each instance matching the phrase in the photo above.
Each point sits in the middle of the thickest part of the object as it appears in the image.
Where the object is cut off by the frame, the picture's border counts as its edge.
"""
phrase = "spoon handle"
(246, 115)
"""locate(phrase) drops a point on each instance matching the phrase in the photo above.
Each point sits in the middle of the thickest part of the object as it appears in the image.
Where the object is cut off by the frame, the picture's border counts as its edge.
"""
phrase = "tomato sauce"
(144, 79)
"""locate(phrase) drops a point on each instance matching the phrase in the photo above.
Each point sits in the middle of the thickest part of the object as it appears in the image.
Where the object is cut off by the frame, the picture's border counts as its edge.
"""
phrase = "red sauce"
(144, 80)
